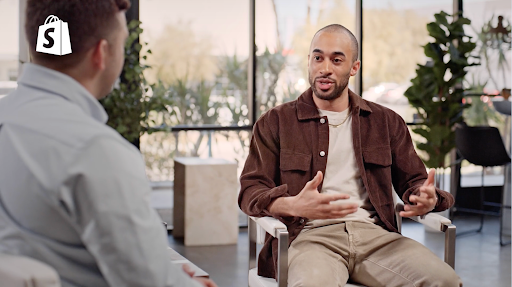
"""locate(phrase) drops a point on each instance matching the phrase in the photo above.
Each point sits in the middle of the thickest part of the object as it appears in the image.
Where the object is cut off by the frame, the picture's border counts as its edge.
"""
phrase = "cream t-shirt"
(342, 174)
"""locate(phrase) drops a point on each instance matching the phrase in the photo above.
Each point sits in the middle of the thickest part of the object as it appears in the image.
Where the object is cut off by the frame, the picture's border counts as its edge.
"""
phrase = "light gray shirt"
(73, 192)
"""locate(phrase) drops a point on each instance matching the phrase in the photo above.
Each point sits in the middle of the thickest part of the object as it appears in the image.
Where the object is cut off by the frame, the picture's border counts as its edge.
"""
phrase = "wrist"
(290, 205)
(282, 206)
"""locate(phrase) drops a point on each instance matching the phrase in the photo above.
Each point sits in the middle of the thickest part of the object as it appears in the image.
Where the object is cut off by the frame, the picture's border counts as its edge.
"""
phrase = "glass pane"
(9, 17)
(284, 29)
(490, 28)
(199, 54)
(393, 34)
(160, 148)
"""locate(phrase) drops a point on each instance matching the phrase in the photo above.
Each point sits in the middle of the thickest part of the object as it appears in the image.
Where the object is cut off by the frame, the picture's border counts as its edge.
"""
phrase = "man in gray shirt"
(73, 192)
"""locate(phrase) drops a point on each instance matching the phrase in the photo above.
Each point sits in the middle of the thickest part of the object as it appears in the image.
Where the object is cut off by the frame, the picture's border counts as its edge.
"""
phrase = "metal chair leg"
(282, 260)
(503, 243)
(482, 199)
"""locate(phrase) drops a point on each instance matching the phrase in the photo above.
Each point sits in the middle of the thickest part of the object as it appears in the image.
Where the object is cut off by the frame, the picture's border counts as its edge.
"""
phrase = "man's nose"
(326, 68)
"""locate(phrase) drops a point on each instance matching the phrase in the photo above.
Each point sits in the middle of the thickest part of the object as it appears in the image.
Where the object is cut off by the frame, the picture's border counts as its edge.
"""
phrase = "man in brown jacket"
(325, 165)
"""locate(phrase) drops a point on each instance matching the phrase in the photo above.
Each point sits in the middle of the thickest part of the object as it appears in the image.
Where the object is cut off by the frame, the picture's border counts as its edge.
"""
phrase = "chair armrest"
(269, 224)
(432, 220)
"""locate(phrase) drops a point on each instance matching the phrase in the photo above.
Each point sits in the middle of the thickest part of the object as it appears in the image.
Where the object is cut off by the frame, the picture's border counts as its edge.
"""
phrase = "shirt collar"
(59, 84)
(307, 109)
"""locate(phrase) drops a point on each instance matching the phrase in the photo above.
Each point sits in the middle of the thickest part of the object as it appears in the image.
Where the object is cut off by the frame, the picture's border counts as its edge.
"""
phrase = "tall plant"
(437, 91)
(131, 102)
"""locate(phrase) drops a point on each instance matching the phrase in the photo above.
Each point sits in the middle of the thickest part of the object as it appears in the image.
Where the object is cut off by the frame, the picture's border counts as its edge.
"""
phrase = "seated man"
(73, 192)
(325, 165)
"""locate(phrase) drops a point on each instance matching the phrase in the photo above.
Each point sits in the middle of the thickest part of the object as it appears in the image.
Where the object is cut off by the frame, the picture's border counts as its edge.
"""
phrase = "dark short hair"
(337, 28)
(89, 21)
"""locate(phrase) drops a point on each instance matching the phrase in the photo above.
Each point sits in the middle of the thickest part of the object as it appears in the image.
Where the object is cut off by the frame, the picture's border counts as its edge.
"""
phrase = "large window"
(9, 18)
(200, 52)
(490, 28)
(201, 56)
(490, 22)
(393, 34)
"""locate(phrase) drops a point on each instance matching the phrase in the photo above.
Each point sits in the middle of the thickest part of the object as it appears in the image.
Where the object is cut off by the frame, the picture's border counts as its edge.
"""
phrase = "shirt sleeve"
(110, 207)
(261, 172)
(408, 170)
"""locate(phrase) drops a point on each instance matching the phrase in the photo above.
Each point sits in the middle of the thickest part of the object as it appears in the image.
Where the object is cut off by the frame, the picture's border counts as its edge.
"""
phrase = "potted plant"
(437, 90)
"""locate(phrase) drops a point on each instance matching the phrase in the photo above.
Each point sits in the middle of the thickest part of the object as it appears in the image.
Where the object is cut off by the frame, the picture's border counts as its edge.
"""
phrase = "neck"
(82, 74)
(90, 86)
(87, 80)
(335, 105)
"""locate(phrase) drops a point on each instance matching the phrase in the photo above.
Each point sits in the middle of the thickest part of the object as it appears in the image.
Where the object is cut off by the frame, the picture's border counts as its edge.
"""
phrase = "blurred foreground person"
(73, 192)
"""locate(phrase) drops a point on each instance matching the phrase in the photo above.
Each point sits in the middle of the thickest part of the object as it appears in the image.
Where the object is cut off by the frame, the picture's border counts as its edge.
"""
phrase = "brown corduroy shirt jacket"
(290, 144)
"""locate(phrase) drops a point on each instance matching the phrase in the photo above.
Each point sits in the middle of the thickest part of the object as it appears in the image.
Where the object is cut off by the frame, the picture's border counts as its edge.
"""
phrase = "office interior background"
(220, 64)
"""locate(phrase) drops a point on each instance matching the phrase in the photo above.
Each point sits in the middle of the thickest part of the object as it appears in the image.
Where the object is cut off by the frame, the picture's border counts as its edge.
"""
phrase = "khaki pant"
(368, 254)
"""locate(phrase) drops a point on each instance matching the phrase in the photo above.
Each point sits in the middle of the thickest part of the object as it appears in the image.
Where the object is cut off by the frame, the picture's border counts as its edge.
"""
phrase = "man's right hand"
(311, 204)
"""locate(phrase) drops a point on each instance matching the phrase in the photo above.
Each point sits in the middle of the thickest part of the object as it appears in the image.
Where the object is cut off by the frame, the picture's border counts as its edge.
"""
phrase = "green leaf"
(433, 51)
(441, 18)
(437, 32)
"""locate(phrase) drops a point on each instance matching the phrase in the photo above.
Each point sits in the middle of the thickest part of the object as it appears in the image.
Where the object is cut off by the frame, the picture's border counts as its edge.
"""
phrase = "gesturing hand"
(425, 201)
(205, 282)
(311, 204)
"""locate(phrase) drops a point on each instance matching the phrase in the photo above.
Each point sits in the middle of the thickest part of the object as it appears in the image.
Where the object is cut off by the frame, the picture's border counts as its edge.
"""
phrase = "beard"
(336, 92)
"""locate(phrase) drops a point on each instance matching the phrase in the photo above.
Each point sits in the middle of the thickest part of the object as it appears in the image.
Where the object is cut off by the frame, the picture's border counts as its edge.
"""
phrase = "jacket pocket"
(290, 161)
(295, 170)
(377, 165)
(380, 156)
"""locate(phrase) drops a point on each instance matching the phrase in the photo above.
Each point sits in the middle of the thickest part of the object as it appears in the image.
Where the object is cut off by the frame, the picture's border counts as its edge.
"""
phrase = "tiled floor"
(480, 260)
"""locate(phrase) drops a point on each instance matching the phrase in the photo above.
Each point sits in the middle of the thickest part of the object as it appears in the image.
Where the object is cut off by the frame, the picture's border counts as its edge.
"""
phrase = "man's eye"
(317, 58)
(337, 60)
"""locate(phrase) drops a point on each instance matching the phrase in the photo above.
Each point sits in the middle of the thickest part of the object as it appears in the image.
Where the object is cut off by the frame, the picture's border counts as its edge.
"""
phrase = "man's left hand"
(205, 282)
(425, 201)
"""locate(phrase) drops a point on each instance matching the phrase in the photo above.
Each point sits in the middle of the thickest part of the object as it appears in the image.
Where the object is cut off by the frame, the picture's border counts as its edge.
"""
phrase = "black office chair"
(482, 146)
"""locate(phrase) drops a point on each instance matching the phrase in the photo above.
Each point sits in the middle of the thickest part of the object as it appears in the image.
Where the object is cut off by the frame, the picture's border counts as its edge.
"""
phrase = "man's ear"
(355, 67)
(308, 60)
(99, 55)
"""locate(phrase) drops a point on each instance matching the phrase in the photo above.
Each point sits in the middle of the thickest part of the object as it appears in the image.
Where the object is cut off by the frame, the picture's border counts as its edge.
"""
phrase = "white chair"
(19, 271)
(258, 227)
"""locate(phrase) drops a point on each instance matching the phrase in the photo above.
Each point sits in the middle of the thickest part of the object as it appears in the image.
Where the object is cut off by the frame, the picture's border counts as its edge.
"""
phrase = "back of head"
(88, 22)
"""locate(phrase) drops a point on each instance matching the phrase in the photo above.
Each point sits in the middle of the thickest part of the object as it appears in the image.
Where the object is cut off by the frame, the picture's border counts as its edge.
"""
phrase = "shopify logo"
(53, 37)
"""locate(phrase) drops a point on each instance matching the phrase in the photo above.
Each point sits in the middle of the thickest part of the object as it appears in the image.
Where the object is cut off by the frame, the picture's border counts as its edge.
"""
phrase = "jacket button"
(322, 121)
(301, 221)
(322, 153)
